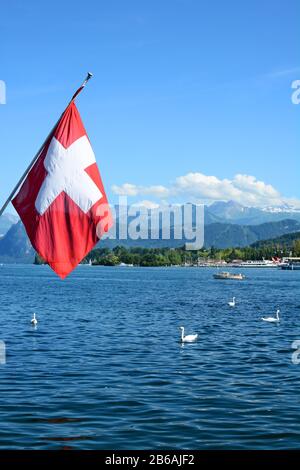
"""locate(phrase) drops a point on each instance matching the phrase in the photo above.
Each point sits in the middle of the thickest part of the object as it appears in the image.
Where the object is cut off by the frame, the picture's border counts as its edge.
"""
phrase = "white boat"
(292, 266)
(227, 275)
(290, 263)
(265, 263)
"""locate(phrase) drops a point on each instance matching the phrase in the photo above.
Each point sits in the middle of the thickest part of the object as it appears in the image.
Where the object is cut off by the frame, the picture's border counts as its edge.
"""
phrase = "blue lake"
(104, 369)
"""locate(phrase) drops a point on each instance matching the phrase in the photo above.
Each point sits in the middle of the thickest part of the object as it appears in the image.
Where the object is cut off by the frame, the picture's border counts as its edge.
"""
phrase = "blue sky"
(190, 100)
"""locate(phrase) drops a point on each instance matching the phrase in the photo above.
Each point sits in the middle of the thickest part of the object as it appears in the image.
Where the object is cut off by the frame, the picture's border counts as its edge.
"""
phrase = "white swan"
(232, 303)
(187, 338)
(34, 320)
(272, 319)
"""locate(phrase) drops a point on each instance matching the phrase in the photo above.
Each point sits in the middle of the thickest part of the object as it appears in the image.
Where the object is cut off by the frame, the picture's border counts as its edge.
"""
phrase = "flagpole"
(89, 75)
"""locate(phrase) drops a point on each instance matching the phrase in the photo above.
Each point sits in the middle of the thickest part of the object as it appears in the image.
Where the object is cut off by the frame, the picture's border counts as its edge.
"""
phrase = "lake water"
(104, 369)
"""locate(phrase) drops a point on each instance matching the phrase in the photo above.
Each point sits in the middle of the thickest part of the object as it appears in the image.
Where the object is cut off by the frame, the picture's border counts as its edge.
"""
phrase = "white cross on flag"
(62, 202)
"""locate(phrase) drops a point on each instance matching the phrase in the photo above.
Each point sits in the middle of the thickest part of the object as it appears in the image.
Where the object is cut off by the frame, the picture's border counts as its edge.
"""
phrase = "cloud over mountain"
(245, 189)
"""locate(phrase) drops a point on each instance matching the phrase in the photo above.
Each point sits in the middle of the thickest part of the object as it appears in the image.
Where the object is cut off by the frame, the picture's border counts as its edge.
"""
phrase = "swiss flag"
(62, 201)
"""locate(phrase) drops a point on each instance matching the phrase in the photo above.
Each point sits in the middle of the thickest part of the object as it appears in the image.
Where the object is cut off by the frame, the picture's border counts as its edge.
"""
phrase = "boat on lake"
(264, 263)
(290, 263)
(227, 275)
(292, 266)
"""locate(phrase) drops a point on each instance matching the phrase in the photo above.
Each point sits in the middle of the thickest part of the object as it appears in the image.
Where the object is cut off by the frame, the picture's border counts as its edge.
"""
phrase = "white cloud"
(125, 190)
(158, 191)
(128, 189)
(245, 189)
(147, 204)
(207, 187)
(251, 184)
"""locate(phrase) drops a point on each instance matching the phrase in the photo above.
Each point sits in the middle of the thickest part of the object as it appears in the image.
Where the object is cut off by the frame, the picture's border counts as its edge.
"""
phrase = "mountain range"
(233, 212)
(6, 221)
(15, 245)
(230, 212)
(286, 241)
(219, 235)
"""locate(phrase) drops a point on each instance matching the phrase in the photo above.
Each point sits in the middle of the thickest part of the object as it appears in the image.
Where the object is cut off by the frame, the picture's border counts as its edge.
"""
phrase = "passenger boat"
(265, 263)
(227, 275)
(292, 266)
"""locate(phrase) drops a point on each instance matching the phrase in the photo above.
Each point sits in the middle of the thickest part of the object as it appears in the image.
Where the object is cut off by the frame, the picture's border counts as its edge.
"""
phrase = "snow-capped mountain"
(233, 212)
(286, 209)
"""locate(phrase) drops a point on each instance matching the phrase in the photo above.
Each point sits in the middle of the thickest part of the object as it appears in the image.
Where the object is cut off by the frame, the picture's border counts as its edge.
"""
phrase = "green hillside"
(286, 241)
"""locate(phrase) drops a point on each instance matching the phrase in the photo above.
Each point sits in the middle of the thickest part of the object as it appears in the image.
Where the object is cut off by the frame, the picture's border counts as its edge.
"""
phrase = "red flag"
(62, 201)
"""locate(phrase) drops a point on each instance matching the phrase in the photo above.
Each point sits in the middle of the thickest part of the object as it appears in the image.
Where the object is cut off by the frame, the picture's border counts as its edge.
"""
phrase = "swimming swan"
(232, 303)
(34, 320)
(187, 338)
(272, 319)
